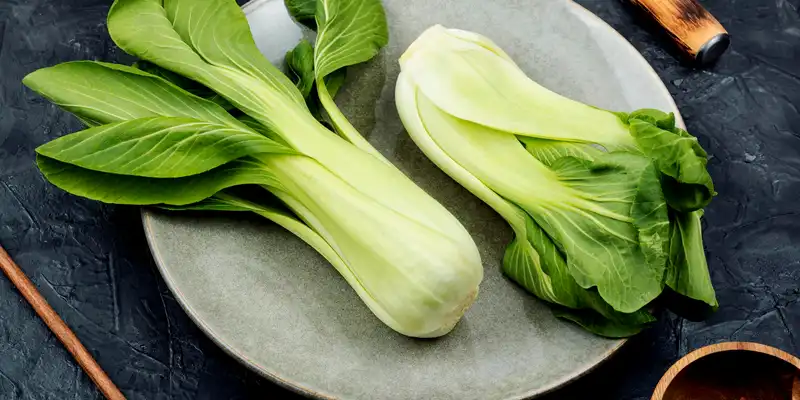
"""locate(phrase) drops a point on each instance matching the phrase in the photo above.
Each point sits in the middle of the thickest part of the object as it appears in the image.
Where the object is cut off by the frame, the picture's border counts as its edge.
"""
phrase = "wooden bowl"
(732, 371)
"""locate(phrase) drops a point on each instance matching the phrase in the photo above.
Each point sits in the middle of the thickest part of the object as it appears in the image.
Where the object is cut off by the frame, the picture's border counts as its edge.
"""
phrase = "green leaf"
(300, 63)
(598, 325)
(184, 83)
(213, 203)
(335, 80)
(350, 32)
(550, 151)
(649, 208)
(569, 301)
(523, 264)
(88, 122)
(209, 41)
(687, 270)
(102, 93)
(219, 33)
(534, 262)
(256, 126)
(686, 183)
(134, 190)
(245, 198)
(303, 11)
(600, 231)
(158, 147)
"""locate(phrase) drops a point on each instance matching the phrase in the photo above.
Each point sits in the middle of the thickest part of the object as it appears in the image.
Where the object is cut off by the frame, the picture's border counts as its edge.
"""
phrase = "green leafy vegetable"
(348, 33)
(156, 141)
(106, 93)
(300, 64)
(303, 11)
(687, 270)
(185, 84)
(598, 200)
(158, 147)
(679, 157)
(594, 210)
(135, 190)
(599, 325)
(533, 261)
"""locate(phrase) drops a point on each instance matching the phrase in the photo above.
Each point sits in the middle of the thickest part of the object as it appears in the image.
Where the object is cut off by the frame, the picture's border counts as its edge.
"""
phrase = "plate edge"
(209, 332)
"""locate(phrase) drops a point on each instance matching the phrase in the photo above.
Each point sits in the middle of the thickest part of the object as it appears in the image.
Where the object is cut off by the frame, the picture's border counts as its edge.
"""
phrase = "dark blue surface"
(92, 263)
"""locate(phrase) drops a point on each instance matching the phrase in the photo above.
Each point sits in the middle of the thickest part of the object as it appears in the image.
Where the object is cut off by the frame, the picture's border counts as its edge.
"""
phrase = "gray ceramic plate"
(278, 307)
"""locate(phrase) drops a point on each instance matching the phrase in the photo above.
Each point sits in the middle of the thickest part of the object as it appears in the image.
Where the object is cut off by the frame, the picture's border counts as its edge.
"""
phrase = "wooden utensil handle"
(698, 35)
(58, 327)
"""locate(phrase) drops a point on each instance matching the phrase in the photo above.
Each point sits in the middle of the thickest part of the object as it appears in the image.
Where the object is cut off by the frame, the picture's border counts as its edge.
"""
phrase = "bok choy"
(605, 206)
(153, 140)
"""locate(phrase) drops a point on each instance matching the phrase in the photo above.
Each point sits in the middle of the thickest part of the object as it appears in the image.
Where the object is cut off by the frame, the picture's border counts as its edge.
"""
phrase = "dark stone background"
(91, 261)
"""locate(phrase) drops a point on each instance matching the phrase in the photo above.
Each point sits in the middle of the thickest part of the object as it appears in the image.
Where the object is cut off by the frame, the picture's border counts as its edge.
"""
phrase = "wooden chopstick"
(58, 327)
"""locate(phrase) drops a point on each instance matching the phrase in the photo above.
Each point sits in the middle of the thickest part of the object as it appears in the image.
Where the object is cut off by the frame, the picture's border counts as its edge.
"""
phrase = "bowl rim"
(702, 352)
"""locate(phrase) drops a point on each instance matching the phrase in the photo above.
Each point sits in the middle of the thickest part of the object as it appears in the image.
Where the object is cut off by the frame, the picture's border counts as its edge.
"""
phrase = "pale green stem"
(320, 244)
(342, 125)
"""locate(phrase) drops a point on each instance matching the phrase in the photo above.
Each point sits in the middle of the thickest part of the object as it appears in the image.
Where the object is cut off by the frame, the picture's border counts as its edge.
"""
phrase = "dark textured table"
(92, 263)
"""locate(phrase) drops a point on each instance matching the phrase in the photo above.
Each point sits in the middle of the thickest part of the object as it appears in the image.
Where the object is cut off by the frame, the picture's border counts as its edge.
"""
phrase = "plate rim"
(585, 369)
(147, 217)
